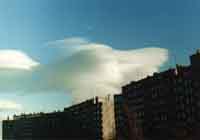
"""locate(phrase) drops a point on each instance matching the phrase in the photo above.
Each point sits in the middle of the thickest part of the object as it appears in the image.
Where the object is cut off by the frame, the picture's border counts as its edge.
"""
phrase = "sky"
(54, 53)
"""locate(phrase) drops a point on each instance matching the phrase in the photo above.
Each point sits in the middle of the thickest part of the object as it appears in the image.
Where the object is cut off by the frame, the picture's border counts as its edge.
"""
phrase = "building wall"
(82, 121)
(48, 126)
(90, 114)
(120, 118)
(167, 104)
(161, 102)
(89, 120)
(108, 119)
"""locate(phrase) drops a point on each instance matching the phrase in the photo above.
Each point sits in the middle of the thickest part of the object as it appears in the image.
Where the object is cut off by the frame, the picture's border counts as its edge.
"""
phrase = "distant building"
(89, 120)
(167, 104)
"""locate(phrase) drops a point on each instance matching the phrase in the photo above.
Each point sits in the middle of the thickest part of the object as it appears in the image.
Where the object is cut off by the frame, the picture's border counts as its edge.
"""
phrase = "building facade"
(120, 118)
(167, 104)
(88, 120)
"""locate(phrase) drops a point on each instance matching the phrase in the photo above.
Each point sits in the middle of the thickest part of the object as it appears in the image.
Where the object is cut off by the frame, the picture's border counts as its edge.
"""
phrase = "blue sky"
(129, 24)
(29, 26)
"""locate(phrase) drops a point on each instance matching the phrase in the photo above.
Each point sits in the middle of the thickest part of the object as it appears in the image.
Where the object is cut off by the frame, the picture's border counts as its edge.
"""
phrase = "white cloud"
(97, 69)
(6, 105)
(81, 68)
(13, 59)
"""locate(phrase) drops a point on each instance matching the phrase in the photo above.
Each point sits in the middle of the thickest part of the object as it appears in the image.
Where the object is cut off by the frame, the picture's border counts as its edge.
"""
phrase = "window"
(164, 117)
(154, 95)
(183, 115)
(187, 101)
(190, 119)
(182, 106)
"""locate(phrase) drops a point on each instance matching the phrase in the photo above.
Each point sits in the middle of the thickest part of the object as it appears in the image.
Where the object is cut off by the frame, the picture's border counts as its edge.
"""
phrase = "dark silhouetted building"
(120, 118)
(89, 120)
(167, 104)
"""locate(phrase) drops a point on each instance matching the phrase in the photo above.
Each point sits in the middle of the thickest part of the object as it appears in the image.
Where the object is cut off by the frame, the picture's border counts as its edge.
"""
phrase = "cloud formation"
(13, 59)
(94, 69)
(86, 69)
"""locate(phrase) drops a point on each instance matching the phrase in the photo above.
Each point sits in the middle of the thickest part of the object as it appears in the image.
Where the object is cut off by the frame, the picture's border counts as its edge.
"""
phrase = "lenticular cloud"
(13, 59)
(95, 69)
